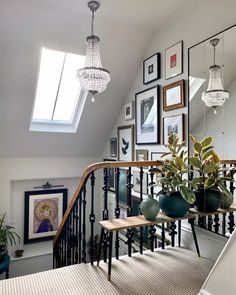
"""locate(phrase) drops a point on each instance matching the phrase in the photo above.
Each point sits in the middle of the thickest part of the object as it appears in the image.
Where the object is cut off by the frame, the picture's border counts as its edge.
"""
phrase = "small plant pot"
(19, 252)
(226, 201)
(173, 204)
(150, 208)
(208, 200)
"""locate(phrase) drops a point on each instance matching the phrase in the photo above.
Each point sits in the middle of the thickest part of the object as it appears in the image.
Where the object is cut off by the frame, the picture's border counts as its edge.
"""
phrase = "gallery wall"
(192, 28)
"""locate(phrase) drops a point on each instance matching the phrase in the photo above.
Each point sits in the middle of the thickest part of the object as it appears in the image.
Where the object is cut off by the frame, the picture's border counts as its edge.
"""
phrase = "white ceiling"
(125, 28)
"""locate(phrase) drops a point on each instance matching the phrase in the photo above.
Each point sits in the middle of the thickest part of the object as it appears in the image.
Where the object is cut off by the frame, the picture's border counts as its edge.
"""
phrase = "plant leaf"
(197, 147)
(187, 194)
(210, 168)
(193, 139)
(207, 141)
(195, 162)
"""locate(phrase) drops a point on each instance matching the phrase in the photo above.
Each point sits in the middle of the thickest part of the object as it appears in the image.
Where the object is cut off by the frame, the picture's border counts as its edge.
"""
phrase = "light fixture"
(93, 77)
(215, 95)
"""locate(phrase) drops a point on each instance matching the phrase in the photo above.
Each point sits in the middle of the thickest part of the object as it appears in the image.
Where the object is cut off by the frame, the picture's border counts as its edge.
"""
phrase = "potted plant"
(176, 196)
(209, 184)
(7, 235)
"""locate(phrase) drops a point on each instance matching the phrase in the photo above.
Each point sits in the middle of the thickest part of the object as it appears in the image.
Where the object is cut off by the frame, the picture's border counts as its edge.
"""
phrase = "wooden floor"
(174, 271)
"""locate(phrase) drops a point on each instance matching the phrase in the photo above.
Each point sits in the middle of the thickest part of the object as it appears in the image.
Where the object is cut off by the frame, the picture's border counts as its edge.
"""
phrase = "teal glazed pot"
(226, 202)
(150, 208)
(208, 200)
(173, 204)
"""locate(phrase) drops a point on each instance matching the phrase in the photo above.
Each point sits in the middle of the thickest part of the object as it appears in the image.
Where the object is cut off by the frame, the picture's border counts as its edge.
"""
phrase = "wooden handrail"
(233, 162)
(85, 176)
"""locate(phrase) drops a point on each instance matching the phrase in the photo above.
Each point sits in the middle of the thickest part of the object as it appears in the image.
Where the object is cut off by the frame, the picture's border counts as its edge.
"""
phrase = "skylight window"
(59, 99)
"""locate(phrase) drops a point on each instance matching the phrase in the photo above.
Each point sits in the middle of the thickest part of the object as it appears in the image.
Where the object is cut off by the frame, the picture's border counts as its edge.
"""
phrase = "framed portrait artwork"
(113, 147)
(44, 210)
(174, 60)
(137, 184)
(129, 111)
(174, 124)
(173, 96)
(126, 143)
(111, 175)
(147, 118)
(152, 68)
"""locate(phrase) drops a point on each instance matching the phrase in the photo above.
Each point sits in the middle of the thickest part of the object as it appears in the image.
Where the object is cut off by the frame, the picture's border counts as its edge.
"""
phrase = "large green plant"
(7, 233)
(207, 163)
(172, 175)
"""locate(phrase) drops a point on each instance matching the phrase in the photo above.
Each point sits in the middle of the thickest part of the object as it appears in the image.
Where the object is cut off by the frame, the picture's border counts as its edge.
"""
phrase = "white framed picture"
(174, 60)
(125, 143)
(157, 156)
(129, 111)
(137, 182)
(147, 118)
(171, 125)
(173, 96)
(152, 68)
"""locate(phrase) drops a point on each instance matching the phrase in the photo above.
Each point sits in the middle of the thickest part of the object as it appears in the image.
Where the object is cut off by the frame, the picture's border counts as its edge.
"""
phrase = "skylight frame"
(46, 125)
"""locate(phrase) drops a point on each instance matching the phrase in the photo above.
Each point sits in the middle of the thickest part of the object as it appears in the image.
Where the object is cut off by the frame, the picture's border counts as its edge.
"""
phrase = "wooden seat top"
(218, 211)
(138, 221)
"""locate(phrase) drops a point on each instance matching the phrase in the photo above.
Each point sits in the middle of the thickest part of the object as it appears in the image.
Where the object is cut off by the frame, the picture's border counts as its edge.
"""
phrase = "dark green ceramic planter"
(150, 208)
(173, 204)
(208, 200)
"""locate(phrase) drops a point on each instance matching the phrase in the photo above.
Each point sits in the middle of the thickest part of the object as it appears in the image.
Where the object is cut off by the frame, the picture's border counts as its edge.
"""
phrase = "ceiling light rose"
(215, 95)
(93, 77)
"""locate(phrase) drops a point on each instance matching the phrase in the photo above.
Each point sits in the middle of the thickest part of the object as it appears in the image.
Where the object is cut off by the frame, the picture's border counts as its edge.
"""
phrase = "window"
(59, 99)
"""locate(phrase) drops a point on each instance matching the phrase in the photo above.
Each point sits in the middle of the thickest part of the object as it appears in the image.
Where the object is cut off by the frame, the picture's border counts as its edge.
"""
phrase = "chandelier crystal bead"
(93, 77)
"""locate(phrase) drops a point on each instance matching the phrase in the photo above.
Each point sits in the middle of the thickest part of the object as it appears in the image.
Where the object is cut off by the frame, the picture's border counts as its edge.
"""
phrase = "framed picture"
(111, 175)
(126, 143)
(136, 182)
(44, 210)
(113, 147)
(142, 155)
(157, 156)
(123, 188)
(147, 118)
(129, 111)
(173, 96)
(174, 124)
(152, 68)
(174, 60)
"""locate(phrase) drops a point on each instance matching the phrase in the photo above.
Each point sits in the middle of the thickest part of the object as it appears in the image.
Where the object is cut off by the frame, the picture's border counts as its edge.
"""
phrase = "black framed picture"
(126, 143)
(147, 116)
(171, 125)
(111, 175)
(152, 68)
(174, 60)
(44, 210)
(113, 147)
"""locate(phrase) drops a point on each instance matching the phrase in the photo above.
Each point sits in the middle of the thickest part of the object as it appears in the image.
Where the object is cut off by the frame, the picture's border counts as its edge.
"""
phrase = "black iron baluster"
(84, 202)
(223, 224)
(76, 220)
(92, 218)
(117, 210)
(201, 221)
(231, 184)
(141, 198)
(152, 227)
(172, 232)
(231, 222)
(105, 213)
(210, 222)
(129, 234)
(73, 234)
(80, 227)
(163, 236)
(217, 224)
(68, 254)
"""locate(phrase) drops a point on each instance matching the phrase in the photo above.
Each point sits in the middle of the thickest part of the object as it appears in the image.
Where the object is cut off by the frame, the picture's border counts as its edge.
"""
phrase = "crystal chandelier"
(93, 77)
(215, 95)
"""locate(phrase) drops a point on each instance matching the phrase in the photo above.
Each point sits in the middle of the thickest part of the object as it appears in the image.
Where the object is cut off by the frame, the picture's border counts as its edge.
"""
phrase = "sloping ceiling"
(125, 28)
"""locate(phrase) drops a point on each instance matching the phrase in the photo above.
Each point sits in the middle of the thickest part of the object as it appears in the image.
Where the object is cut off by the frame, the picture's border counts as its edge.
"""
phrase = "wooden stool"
(138, 221)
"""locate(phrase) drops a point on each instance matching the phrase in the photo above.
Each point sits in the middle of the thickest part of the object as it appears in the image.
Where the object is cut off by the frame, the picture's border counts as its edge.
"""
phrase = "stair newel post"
(129, 234)
(84, 202)
(152, 230)
(80, 226)
(117, 210)
(105, 213)
(141, 198)
(92, 217)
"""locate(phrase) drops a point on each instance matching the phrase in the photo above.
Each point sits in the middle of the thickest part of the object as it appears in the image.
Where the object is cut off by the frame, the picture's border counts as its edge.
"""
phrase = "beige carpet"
(174, 271)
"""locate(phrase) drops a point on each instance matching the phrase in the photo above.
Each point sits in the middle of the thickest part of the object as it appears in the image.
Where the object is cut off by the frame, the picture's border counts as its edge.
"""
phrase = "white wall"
(18, 175)
(201, 23)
